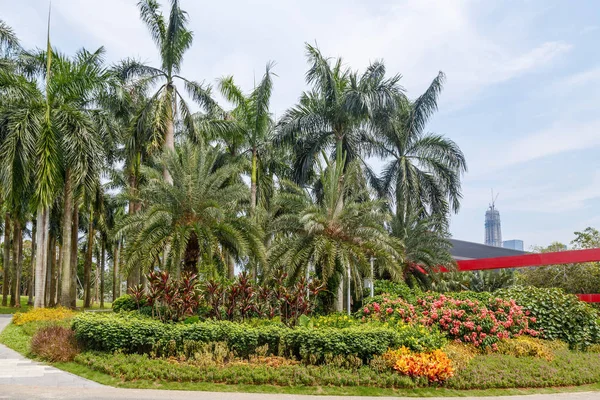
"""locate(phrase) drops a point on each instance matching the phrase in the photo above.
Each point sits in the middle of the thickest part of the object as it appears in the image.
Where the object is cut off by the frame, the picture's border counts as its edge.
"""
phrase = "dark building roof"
(462, 250)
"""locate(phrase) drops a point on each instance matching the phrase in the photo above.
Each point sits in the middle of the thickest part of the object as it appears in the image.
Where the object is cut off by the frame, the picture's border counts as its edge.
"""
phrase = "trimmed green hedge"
(131, 333)
(558, 315)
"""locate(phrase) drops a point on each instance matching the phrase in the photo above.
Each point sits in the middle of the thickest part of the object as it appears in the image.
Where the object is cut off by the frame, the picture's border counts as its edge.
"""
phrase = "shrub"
(395, 289)
(464, 320)
(124, 303)
(461, 354)
(136, 334)
(42, 314)
(525, 347)
(54, 343)
(488, 371)
(434, 365)
(558, 316)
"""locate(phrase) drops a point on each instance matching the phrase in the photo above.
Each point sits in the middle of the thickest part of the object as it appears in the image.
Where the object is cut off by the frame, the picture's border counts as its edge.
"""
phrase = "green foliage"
(160, 370)
(124, 303)
(559, 316)
(396, 289)
(134, 334)
(505, 371)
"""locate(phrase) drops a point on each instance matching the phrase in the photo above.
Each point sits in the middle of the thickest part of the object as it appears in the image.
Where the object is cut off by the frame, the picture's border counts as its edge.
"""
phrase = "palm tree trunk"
(67, 237)
(15, 299)
(58, 276)
(6, 261)
(169, 144)
(339, 300)
(41, 255)
(74, 252)
(33, 249)
(348, 294)
(116, 274)
(51, 282)
(87, 268)
(19, 266)
(102, 260)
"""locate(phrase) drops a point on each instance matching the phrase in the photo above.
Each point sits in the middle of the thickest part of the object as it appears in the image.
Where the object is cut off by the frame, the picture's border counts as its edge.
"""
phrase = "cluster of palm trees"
(112, 166)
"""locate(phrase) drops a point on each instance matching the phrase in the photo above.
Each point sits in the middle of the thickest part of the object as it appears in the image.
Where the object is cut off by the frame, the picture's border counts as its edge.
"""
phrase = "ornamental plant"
(558, 315)
(434, 365)
(42, 314)
(469, 321)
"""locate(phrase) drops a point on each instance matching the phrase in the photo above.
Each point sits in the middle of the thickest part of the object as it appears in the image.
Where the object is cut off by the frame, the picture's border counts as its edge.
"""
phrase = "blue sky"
(521, 99)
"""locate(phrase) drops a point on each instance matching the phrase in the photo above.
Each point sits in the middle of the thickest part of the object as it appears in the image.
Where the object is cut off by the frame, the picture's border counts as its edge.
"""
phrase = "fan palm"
(336, 112)
(338, 233)
(194, 217)
(424, 169)
(173, 39)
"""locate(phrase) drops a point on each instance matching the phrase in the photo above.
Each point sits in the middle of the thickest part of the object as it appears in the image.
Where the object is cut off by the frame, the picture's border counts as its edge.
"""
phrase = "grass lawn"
(16, 338)
(25, 307)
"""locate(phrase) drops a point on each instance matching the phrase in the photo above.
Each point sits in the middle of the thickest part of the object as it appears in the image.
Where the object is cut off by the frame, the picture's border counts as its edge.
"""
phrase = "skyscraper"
(514, 244)
(493, 230)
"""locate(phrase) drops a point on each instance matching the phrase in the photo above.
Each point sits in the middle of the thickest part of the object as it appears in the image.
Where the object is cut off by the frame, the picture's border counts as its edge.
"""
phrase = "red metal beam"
(589, 298)
(531, 260)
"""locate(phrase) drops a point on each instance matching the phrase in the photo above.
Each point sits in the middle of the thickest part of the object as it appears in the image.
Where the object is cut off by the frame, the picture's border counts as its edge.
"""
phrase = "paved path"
(18, 370)
(21, 378)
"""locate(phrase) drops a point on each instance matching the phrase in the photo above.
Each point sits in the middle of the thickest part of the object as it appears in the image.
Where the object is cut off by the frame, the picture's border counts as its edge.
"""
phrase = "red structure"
(536, 260)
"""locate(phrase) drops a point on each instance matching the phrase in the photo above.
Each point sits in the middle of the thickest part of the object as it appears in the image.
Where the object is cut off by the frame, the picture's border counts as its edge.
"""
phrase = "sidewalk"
(18, 370)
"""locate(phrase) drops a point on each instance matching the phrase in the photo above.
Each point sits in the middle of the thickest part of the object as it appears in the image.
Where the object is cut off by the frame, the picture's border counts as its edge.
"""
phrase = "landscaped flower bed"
(461, 341)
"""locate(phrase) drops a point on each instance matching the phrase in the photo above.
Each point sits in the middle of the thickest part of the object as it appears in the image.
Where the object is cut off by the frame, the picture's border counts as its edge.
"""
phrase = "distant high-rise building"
(493, 230)
(514, 244)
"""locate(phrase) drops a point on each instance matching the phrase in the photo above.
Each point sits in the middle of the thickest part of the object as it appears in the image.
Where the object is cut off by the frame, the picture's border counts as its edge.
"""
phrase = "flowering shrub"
(526, 347)
(434, 365)
(334, 321)
(42, 314)
(482, 325)
(558, 315)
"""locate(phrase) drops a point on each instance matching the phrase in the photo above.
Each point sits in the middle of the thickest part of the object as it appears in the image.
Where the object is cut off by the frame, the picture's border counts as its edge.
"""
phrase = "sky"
(521, 98)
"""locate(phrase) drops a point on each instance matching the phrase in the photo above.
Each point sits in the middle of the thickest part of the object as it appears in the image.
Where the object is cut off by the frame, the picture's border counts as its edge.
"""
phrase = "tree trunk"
(339, 300)
(17, 242)
(253, 180)
(87, 268)
(6, 262)
(74, 252)
(41, 255)
(51, 283)
(230, 266)
(32, 278)
(58, 276)
(19, 266)
(116, 274)
(169, 144)
(67, 237)
(102, 261)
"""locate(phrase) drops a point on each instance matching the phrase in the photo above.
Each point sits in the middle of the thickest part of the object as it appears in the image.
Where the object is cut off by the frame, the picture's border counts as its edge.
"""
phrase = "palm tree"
(336, 112)
(192, 218)
(427, 247)
(424, 169)
(251, 119)
(164, 107)
(337, 233)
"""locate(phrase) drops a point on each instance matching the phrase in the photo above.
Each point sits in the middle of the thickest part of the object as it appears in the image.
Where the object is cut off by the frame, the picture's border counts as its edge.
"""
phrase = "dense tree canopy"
(110, 167)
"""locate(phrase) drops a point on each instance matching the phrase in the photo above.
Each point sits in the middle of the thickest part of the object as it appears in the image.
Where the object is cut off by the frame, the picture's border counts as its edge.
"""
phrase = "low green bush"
(499, 371)
(160, 370)
(131, 333)
(396, 289)
(558, 316)
(124, 303)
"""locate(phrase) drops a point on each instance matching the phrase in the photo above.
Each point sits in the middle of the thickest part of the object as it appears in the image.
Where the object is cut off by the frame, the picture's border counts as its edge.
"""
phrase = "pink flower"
(366, 310)
(376, 307)
(389, 310)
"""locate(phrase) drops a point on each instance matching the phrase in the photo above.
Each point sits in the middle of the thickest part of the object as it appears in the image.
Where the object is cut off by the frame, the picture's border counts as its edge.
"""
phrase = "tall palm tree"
(194, 217)
(424, 169)
(336, 112)
(337, 233)
(251, 119)
(166, 105)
